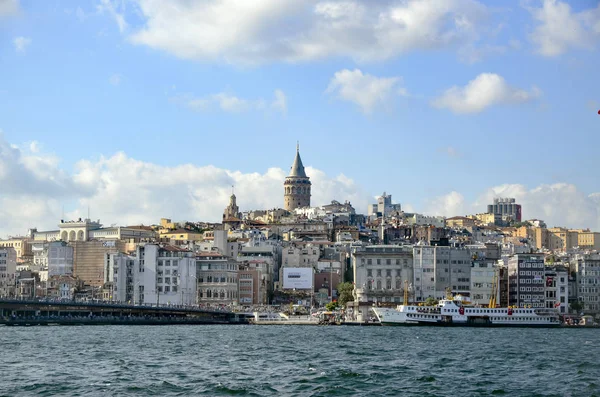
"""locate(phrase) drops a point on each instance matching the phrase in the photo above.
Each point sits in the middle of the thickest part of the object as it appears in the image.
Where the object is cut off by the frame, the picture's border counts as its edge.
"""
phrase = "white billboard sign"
(297, 277)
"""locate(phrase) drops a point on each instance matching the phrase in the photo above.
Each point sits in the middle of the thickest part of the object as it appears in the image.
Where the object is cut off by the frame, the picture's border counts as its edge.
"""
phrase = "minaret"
(297, 185)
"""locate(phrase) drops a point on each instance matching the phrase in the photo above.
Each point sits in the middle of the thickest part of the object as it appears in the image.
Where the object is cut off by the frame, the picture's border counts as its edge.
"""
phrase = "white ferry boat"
(451, 312)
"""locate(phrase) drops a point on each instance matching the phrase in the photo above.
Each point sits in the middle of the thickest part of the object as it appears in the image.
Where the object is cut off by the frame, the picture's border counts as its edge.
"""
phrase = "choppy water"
(296, 360)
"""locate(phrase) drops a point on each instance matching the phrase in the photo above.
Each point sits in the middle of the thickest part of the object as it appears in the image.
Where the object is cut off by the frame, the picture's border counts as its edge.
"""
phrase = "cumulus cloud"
(231, 103)
(364, 90)
(560, 29)
(487, 89)
(123, 190)
(291, 31)
(559, 204)
(21, 43)
(451, 204)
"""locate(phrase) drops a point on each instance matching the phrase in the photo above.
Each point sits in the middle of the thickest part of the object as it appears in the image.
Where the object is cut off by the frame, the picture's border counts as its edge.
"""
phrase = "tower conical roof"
(298, 168)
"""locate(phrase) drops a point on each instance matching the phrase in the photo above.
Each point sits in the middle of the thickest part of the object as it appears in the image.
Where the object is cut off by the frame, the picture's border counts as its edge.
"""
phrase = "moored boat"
(451, 312)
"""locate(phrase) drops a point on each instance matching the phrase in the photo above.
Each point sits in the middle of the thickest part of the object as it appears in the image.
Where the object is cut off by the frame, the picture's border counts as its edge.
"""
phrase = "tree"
(332, 306)
(431, 301)
(576, 307)
(345, 293)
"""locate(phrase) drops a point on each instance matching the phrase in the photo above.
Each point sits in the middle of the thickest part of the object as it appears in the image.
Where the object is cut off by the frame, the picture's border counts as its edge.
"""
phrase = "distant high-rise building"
(297, 186)
(507, 208)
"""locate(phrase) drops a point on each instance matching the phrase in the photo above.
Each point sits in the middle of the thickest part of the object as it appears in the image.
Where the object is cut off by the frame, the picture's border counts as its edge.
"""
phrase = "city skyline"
(99, 111)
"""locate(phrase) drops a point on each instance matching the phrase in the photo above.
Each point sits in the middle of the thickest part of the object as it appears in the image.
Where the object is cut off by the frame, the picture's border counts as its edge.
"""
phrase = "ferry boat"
(453, 312)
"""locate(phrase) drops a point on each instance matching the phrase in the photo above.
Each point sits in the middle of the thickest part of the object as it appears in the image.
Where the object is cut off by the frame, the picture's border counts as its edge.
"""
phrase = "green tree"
(345, 293)
(576, 307)
(332, 306)
(431, 301)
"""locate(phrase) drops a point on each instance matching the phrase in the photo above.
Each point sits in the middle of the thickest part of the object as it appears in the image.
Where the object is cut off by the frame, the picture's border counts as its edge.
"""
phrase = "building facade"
(217, 277)
(587, 268)
(382, 273)
(526, 281)
(8, 271)
(296, 186)
(507, 208)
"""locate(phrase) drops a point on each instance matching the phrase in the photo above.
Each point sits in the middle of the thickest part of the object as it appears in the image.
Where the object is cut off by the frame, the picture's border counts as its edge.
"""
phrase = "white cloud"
(8, 7)
(451, 204)
(123, 190)
(34, 147)
(560, 29)
(559, 204)
(485, 90)
(115, 79)
(365, 90)
(230, 103)
(115, 10)
(280, 102)
(273, 30)
(21, 43)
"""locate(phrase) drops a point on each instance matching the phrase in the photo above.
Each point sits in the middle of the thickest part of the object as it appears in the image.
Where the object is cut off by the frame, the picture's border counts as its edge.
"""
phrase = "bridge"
(37, 312)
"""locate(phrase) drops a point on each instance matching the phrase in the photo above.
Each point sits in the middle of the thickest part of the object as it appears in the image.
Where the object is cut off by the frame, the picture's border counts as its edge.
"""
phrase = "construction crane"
(492, 303)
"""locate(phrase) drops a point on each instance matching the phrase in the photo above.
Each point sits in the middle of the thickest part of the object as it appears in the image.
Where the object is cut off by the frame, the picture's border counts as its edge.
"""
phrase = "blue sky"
(100, 87)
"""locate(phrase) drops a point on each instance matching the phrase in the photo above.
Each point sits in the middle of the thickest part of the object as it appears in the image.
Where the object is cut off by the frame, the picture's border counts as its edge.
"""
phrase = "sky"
(140, 109)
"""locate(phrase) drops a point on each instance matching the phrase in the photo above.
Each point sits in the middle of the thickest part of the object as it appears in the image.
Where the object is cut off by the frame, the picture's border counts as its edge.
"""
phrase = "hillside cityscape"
(308, 255)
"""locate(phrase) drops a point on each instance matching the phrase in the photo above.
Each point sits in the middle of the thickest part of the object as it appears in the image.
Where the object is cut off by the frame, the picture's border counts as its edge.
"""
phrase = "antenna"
(232, 191)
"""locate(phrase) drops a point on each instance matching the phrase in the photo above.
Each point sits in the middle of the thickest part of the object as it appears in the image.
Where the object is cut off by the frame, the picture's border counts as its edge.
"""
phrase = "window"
(388, 273)
(378, 272)
(369, 273)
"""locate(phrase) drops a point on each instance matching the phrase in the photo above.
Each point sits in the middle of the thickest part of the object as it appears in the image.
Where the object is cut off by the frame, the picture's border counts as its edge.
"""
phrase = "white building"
(422, 220)
(8, 270)
(164, 275)
(483, 280)
(119, 277)
(437, 269)
(557, 288)
(60, 259)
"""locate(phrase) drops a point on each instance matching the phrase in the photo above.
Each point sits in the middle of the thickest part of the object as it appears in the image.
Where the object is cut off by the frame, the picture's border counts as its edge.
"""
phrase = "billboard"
(297, 277)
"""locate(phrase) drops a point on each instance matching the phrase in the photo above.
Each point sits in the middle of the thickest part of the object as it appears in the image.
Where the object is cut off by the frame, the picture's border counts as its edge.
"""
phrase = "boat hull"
(448, 324)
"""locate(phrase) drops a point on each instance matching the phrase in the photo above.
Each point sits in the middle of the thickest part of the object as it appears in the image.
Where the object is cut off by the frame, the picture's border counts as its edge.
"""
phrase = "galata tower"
(297, 185)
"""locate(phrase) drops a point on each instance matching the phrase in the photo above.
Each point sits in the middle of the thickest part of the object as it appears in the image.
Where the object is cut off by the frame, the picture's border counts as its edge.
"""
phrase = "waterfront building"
(8, 271)
(63, 287)
(60, 259)
(381, 273)
(439, 268)
(506, 208)
(557, 288)
(587, 267)
(89, 259)
(297, 186)
(254, 276)
(164, 275)
(526, 280)
(119, 278)
(217, 277)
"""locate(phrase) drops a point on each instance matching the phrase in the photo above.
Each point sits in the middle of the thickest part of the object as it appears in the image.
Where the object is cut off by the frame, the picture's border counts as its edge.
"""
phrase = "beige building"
(588, 240)
(22, 247)
(460, 221)
(217, 277)
(89, 259)
(562, 239)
